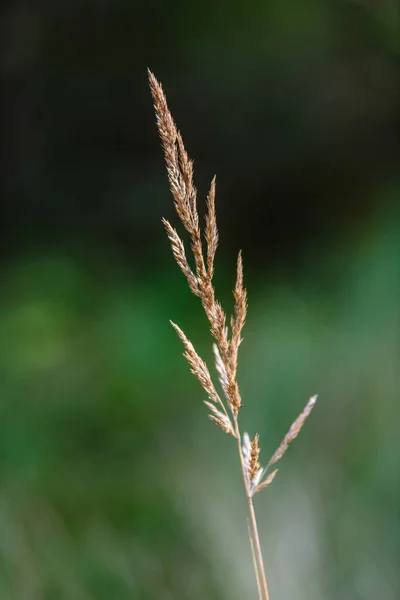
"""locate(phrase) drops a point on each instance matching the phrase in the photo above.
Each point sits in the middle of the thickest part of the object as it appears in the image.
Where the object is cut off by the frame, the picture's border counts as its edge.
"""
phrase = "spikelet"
(197, 366)
(254, 465)
(293, 431)
(267, 481)
(179, 166)
(178, 250)
(211, 231)
(238, 321)
(250, 452)
(219, 418)
(221, 370)
(252, 468)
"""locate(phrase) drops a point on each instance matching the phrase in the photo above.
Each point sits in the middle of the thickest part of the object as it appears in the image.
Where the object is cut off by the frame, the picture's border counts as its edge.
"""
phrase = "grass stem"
(255, 538)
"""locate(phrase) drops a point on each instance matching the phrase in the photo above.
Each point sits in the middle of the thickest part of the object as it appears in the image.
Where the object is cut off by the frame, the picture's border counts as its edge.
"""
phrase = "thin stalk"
(253, 554)
(260, 573)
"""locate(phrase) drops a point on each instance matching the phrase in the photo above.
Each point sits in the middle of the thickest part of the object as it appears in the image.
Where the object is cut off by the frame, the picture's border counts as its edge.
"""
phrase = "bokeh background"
(113, 483)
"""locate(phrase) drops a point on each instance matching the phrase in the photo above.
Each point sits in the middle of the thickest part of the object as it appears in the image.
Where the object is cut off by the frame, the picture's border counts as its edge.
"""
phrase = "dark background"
(112, 482)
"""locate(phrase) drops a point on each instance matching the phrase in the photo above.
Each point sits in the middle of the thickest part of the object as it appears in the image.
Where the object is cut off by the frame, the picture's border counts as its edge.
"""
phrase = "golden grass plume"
(227, 339)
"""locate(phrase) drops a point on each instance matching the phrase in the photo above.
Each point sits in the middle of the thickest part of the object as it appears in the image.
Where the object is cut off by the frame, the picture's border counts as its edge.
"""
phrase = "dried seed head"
(179, 166)
(223, 424)
(235, 401)
(197, 366)
(178, 250)
(240, 312)
(217, 319)
(293, 431)
(221, 370)
(186, 169)
(254, 465)
(220, 419)
(211, 231)
(253, 470)
(266, 481)
(181, 179)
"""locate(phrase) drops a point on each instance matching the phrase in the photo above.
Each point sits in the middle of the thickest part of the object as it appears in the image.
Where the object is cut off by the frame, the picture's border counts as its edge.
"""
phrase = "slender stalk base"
(260, 574)
(256, 539)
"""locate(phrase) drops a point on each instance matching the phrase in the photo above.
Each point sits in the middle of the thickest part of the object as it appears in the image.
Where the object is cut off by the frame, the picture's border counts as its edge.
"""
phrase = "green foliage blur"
(113, 483)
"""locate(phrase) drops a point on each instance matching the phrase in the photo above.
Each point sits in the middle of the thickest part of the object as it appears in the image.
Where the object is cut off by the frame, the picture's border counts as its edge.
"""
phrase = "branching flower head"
(227, 334)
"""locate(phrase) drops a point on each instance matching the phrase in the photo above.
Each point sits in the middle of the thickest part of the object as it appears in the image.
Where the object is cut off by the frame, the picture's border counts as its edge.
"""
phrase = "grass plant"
(224, 408)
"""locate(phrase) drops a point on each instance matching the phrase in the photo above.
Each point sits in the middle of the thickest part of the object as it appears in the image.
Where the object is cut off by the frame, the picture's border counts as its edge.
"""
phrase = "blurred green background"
(113, 483)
